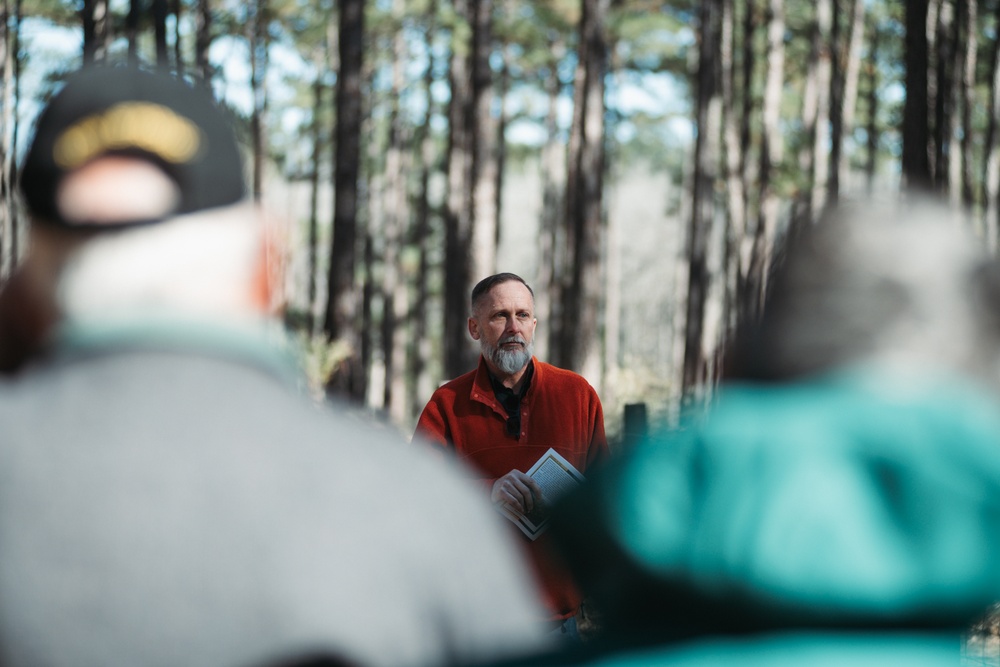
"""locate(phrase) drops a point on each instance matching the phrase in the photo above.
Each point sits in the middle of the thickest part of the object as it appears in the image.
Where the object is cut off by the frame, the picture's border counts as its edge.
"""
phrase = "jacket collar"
(253, 342)
(482, 388)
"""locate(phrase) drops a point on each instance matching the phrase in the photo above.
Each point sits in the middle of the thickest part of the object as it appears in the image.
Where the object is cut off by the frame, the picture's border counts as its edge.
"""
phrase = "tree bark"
(396, 213)
(813, 158)
(550, 250)
(750, 106)
(420, 346)
(771, 156)
(259, 44)
(96, 30)
(852, 72)
(968, 100)
(368, 215)
(805, 155)
(991, 156)
(312, 250)
(342, 297)
(872, 128)
(132, 30)
(177, 8)
(611, 333)
(458, 355)
(366, 343)
(950, 175)
(485, 167)
(202, 42)
(579, 345)
(7, 55)
(500, 139)
(160, 10)
(736, 229)
(939, 134)
(836, 110)
(706, 159)
(915, 162)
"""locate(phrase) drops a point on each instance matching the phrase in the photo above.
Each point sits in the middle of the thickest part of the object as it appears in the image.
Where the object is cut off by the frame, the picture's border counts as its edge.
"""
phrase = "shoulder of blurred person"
(846, 478)
(168, 494)
(204, 499)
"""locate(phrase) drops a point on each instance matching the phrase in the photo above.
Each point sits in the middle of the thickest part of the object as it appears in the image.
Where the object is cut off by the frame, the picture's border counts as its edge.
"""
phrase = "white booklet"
(556, 476)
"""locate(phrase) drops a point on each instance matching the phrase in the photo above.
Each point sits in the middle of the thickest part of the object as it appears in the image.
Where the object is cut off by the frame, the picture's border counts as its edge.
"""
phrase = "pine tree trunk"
(579, 346)
(96, 30)
(612, 288)
(968, 100)
(951, 176)
(550, 262)
(458, 355)
(736, 229)
(706, 160)
(915, 162)
(872, 128)
(160, 10)
(177, 9)
(771, 156)
(7, 55)
(485, 168)
(750, 106)
(342, 297)
(813, 158)
(395, 303)
(852, 73)
(312, 249)
(369, 199)
(132, 30)
(810, 103)
(836, 110)
(18, 242)
(361, 372)
(991, 155)
(501, 142)
(258, 43)
(202, 42)
(420, 346)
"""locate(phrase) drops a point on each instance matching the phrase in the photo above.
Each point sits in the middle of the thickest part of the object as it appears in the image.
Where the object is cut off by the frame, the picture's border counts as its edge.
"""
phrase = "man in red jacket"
(503, 416)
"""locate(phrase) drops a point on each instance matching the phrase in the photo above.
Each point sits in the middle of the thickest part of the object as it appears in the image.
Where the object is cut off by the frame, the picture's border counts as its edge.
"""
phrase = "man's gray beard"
(508, 361)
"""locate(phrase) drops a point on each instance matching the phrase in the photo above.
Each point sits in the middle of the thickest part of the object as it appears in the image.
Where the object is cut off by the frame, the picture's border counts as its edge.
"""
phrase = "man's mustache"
(512, 339)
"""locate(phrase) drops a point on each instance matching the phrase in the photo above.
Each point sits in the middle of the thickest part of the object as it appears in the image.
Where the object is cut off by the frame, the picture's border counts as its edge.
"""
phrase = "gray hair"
(484, 286)
(906, 284)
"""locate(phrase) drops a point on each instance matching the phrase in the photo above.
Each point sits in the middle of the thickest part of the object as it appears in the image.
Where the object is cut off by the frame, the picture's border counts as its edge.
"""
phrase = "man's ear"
(473, 328)
(268, 292)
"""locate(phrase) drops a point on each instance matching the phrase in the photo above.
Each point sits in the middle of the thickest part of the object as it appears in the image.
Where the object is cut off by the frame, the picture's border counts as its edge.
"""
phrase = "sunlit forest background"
(638, 162)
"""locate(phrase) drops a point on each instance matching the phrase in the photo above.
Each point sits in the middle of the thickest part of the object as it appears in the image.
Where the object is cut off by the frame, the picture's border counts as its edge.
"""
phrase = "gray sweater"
(174, 505)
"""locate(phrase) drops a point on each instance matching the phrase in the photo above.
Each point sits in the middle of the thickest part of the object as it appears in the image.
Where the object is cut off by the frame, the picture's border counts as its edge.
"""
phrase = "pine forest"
(638, 162)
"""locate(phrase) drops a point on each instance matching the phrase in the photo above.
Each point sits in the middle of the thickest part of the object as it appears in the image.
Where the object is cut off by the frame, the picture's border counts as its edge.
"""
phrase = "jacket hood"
(849, 500)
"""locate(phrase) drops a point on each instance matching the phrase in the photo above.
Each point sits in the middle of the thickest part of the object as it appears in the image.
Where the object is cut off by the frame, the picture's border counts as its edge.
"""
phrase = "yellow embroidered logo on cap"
(143, 125)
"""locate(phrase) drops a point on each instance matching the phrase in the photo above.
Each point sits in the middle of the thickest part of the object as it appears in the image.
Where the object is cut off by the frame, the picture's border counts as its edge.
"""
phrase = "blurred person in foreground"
(167, 494)
(501, 417)
(839, 503)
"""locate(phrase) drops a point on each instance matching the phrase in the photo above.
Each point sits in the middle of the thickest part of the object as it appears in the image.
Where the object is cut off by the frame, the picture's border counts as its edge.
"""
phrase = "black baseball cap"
(103, 110)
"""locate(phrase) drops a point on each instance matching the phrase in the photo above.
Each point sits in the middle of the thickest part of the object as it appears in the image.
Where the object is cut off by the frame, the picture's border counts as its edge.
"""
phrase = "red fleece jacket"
(560, 410)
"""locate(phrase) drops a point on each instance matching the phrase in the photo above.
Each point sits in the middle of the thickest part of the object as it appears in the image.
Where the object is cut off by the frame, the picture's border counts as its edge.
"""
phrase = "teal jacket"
(856, 502)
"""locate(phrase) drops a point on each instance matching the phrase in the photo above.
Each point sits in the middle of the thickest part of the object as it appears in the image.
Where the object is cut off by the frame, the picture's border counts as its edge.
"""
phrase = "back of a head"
(904, 284)
(119, 111)
(188, 241)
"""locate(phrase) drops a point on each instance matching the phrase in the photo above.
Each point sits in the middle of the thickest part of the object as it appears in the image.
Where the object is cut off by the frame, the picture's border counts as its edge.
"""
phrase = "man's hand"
(517, 489)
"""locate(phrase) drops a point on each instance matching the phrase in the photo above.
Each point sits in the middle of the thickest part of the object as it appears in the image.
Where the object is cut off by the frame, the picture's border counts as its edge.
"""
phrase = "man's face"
(504, 324)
